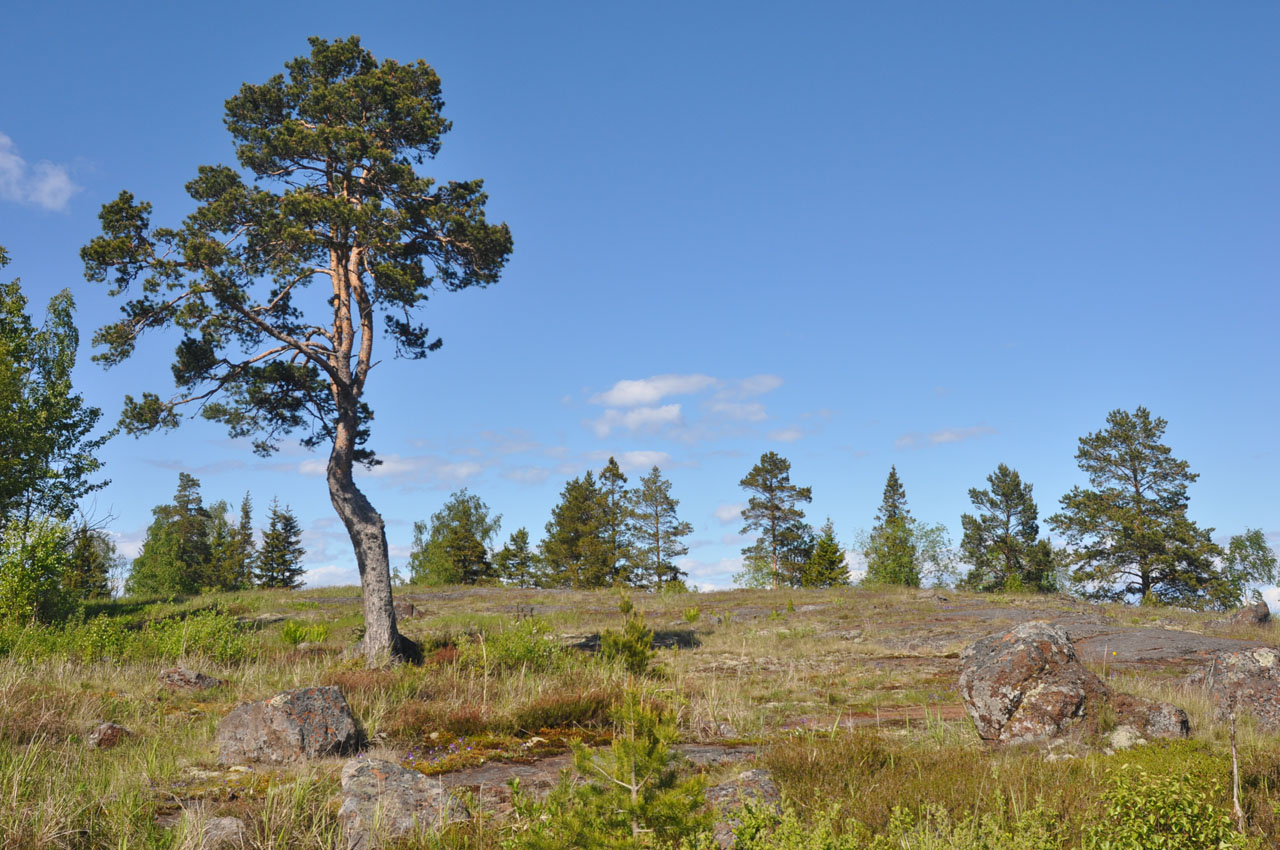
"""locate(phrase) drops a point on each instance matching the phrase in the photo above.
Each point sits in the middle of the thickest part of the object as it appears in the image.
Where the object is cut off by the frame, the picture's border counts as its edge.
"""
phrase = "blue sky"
(936, 235)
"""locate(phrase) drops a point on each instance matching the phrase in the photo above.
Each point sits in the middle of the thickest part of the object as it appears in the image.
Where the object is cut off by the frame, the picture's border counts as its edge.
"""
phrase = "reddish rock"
(1028, 685)
(1246, 681)
(1257, 614)
(289, 727)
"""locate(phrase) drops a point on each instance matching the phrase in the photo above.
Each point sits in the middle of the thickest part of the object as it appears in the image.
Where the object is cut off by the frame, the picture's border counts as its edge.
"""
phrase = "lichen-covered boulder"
(1257, 614)
(381, 799)
(1028, 685)
(107, 735)
(1245, 680)
(727, 799)
(289, 727)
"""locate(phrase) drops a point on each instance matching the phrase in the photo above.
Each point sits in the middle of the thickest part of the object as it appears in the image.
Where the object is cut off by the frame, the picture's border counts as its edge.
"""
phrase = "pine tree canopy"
(454, 547)
(1000, 543)
(1128, 534)
(772, 512)
(655, 531)
(280, 558)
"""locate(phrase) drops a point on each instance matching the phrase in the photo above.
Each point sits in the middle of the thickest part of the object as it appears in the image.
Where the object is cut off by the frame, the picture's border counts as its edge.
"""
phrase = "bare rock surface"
(289, 727)
(381, 799)
(107, 735)
(184, 679)
(225, 833)
(727, 799)
(1028, 685)
(1243, 680)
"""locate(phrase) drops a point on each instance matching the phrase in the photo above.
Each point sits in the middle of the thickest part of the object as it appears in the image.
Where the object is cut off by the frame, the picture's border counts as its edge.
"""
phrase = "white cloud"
(646, 419)
(407, 469)
(939, 438)
(729, 513)
(45, 184)
(330, 575)
(711, 575)
(526, 474)
(648, 391)
(786, 435)
(749, 387)
(746, 411)
(644, 460)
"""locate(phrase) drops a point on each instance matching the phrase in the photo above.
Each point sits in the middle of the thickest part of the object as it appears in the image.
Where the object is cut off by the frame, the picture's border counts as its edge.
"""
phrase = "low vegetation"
(846, 695)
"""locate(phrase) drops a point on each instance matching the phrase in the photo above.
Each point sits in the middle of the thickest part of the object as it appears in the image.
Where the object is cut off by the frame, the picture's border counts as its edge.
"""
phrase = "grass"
(848, 693)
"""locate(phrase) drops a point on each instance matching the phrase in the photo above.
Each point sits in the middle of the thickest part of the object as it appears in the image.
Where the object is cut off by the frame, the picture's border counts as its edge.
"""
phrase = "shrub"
(632, 649)
(295, 633)
(576, 708)
(33, 559)
(211, 633)
(523, 645)
(1170, 811)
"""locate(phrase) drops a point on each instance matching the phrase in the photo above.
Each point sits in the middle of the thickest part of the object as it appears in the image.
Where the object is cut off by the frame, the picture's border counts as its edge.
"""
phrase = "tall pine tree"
(655, 531)
(614, 510)
(517, 563)
(772, 512)
(176, 552)
(280, 558)
(1129, 533)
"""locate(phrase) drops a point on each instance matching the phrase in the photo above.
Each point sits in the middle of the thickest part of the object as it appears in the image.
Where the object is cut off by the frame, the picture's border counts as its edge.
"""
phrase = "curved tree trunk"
(382, 641)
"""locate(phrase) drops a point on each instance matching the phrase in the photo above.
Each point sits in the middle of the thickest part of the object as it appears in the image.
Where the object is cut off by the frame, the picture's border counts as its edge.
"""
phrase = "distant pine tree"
(614, 512)
(655, 531)
(772, 512)
(575, 550)
(280, 558)
(891, 551)
(826, 566)
(517, 563)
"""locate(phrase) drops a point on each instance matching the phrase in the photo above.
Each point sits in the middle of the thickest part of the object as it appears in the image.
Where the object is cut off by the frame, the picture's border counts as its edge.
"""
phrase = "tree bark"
(382, 641)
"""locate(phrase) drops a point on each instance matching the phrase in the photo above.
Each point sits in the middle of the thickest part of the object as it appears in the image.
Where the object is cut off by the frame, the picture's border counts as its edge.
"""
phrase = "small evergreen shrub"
(632, 649)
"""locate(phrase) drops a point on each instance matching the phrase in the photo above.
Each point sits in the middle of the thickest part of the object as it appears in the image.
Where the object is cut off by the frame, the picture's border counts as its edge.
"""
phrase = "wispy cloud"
(711, 575)
(409, 469)
(729, 513)
(649, 391)
(786, 435)
(44, 184)
(646, 419)
(915, 440)
(744, 411)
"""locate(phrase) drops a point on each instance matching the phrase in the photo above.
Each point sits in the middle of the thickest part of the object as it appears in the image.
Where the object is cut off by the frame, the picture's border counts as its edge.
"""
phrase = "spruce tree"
(773, 514)
(891, 551)
(246, 548)
(517, 564)
(91, 561)
(614, 510)
(575, 550)
(176, 552)
(1129, 534)
(655, 531)
(826, 566)
(1000, 543)
(280, 558)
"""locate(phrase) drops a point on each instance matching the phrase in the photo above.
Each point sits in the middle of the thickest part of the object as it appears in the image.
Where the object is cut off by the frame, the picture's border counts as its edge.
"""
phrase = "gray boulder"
(107, 735)
(381, 799)
(1246, 680)
(1028, 685)
(289, 727)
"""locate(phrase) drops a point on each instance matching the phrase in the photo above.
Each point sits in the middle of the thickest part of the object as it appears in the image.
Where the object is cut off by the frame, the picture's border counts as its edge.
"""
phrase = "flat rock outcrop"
(289, 727)
(1245, 681)
(381, 799)
(1028, 685)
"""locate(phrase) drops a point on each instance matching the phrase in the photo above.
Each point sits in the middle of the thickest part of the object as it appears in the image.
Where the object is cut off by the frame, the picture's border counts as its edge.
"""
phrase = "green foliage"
(630, 797)
(34, 558)
(92, 561)
(279, 560)
(655, 531)
(1129, 535)
(1173, 811)
(526, 644)
(826, 566)
(517, 564)
(454, 547)
(212, 634)
(772, 511)
(1247, 559)
(575, 550)
(900, 549)
(632, 648)
(47, 457)
(615, 513)
(1000, 543)
(295, 632)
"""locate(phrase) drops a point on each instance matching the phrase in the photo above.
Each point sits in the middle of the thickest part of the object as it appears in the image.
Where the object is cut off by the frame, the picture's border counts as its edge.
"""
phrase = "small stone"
(183, 679)
(107, 735)
(1124, 737)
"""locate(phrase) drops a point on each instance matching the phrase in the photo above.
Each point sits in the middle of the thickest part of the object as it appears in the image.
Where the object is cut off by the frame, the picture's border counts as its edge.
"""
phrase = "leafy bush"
(33, 559)
(211, 633)
(295, 633)
(1169, 811)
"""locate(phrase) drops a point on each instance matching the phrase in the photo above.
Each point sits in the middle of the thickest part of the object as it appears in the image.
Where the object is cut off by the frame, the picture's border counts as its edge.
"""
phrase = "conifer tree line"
(190, 547)
(602, 533)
